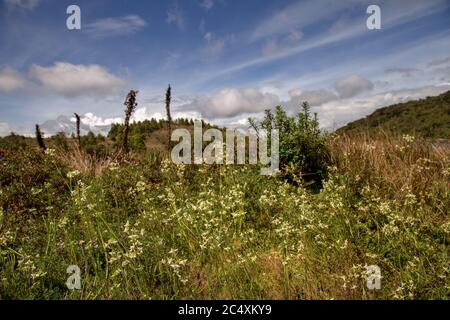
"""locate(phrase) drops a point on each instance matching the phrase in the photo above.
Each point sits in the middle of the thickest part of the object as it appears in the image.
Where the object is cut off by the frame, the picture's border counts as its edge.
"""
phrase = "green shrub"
(303, 152)
(13, 142)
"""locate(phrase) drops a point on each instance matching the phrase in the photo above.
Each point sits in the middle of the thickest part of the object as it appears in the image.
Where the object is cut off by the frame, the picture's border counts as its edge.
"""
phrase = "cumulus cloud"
(110, 27)
(72, 80)
(314, 97)
(92, 120)
(10, 80)
(175, 16)
(352, 85)
(337, 113)
(141, 114)
(22, 4)
(231, 102)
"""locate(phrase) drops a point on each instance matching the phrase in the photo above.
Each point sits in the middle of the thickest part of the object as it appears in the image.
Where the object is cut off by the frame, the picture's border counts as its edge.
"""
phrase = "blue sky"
(226, 59)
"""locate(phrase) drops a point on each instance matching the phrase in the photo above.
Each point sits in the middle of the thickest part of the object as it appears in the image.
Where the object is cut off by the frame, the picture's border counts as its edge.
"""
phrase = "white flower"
(50, 152)
(73, 174)
(408, 138)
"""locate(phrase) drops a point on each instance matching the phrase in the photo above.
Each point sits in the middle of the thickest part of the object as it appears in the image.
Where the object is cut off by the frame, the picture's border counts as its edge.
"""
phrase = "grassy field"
(140, 227)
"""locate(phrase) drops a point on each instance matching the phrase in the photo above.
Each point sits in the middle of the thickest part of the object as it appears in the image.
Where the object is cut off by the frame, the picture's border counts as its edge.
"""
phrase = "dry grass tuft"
(78, 159)
(394, 163)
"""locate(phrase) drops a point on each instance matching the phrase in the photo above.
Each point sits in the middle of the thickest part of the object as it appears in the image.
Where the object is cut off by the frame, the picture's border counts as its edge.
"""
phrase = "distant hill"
(429, 117)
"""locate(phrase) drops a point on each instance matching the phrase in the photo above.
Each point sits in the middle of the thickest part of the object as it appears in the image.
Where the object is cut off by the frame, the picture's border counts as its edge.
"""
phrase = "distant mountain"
(429, 117)
(66, 125)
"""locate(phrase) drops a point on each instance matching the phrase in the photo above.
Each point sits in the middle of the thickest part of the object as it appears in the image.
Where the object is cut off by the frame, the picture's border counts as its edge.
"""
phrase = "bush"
(31, 182)
(303, 151)
(13, 142)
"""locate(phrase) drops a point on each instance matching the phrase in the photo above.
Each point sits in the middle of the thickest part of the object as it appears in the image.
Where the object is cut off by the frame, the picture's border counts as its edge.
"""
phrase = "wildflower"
(50, 152)
(140, 186)
(126, 227)
(390, 229)
(35, 191)
(408, 138)
(113, 166)
(371, 255)
(73, 174)
(369, 147)
(410, 199)
(344, 245)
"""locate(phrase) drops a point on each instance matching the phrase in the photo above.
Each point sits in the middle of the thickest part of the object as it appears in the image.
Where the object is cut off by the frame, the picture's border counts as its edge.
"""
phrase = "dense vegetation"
(303, 153)
(429, 117)
(141, 227)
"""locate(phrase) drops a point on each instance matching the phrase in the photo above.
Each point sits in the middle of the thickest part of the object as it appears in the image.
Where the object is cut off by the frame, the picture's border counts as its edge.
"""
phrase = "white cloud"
(10, 80)
(4, 129)
(295, 35)
(439, 62)
(298, 15)
(313, 97)
(403, 72)
(337, 113)
(274, 45)
(72, 80)
(352, 85)
(207, 4)
(110, 27)
(175, 16)
(90, 119)
(214, 45)
(231, 102)
(22, 4)
(142, 114)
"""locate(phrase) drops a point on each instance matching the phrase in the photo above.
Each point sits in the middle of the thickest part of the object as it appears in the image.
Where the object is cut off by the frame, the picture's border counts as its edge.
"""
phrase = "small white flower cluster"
(50, 152)
(175, 264)
(73, 174)
(27, 265)
(113, 166)
(404, 291)
(408, 138)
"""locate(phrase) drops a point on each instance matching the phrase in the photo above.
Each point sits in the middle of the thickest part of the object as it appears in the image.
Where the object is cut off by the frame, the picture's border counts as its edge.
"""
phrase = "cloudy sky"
(225, 59)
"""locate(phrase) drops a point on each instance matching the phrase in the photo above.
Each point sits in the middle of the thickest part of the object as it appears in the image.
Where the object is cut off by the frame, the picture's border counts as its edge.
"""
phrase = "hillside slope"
(429, 117)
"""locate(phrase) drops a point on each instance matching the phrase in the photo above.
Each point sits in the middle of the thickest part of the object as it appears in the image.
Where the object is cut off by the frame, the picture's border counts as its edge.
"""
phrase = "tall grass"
(148, 229)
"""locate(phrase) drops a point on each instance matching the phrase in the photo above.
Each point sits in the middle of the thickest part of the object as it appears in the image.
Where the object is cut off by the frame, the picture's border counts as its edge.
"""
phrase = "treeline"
(98, 144)
(141, 130)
